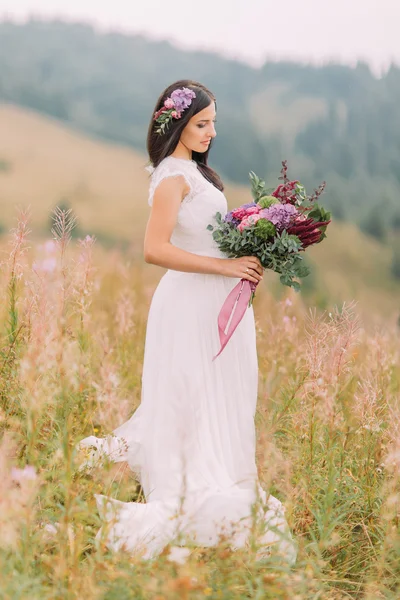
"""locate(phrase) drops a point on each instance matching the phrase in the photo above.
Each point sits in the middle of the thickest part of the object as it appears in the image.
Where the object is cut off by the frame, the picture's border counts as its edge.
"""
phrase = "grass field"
(73, 318)
(72, 322)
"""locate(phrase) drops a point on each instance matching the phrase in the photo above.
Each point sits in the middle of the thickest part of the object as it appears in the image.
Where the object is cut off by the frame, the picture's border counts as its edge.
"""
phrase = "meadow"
(73, 318)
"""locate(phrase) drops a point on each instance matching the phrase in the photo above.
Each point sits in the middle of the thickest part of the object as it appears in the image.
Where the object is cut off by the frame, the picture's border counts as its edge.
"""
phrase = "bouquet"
(276, 228)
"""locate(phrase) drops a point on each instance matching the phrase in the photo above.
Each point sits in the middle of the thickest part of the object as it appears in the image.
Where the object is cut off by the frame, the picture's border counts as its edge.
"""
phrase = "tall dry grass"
(73, 320)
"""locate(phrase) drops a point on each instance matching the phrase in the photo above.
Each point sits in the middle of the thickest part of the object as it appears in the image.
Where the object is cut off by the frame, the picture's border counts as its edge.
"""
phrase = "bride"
(191, 441)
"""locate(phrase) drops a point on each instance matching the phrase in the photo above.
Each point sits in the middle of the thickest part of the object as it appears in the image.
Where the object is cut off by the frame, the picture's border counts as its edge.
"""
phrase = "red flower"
(239, 213)
(307, 230)
(285, 192)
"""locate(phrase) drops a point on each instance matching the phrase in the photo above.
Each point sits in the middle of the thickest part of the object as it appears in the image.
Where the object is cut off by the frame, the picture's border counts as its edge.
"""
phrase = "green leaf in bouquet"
(285, 279)
(318, 213)
(301, 194)
(302, 271)
(265, 201)
(295, 285)
(257, 186)
(315, 213)
(210, 228)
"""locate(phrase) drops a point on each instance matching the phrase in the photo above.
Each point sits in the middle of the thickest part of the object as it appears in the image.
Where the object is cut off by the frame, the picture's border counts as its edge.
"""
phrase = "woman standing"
(191, 442)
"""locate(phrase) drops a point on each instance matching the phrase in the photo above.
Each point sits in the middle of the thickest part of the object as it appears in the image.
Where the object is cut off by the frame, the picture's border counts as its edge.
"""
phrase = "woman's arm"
(158, 249)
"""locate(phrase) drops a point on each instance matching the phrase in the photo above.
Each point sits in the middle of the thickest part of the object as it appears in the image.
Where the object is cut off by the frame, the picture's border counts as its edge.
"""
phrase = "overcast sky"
(251, 30)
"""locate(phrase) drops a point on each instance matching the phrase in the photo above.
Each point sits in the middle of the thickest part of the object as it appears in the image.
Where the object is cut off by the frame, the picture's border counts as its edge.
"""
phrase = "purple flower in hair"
(182, 98)
(173, 107)
(281, 215)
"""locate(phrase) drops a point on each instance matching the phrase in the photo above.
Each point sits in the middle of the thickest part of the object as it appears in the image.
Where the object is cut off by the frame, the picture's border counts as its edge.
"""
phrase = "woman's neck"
(181, 151)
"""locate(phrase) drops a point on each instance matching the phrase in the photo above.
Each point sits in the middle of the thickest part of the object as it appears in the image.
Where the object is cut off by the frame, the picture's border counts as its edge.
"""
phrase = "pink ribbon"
(233, 310)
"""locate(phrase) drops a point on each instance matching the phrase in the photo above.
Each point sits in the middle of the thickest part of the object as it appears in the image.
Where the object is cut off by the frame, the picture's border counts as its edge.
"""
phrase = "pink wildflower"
(50, 246)
(20, 475)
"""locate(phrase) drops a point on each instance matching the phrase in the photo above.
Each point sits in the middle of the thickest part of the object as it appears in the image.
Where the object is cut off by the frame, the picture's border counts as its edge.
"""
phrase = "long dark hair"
(159, 146)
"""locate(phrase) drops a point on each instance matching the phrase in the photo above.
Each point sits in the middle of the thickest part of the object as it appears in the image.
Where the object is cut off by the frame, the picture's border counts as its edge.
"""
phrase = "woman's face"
(200, 130)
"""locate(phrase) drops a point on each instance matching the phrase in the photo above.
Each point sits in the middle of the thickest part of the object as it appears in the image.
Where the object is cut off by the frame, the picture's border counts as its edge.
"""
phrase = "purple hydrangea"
(182, 98)
(281, 215)
(229, 218)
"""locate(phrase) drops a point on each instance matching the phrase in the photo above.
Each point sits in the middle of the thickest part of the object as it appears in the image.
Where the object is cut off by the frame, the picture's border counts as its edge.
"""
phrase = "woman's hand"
(246, 267)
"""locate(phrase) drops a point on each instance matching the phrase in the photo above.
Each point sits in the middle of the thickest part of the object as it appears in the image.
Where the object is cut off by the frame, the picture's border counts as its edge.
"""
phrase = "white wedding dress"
(191, 442)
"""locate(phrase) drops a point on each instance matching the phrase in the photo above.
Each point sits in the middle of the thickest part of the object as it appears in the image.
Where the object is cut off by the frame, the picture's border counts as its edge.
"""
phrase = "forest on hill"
(332, 122)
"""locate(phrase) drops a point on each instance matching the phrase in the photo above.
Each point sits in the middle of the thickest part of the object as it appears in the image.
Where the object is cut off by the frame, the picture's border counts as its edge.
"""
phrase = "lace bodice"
(197, 209)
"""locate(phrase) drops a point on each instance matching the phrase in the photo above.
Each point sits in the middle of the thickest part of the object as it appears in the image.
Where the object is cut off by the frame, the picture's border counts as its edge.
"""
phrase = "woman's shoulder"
(173, 164)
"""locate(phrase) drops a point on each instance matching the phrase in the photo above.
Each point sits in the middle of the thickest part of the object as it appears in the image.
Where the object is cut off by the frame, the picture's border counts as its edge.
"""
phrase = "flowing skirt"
(191, 442)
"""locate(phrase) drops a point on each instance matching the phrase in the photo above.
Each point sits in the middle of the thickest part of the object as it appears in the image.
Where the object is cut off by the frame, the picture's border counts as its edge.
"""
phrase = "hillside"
(46, 163)
(332, 122)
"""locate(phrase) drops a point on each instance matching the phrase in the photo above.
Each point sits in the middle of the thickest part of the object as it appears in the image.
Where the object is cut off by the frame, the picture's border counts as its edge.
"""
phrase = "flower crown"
(173, 108)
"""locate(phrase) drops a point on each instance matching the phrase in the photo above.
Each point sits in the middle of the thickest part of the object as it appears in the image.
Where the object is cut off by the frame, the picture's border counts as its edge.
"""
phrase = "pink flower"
(239, 213)
(252, 210)
(169, 103)
(249, 221)
(175, 114)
